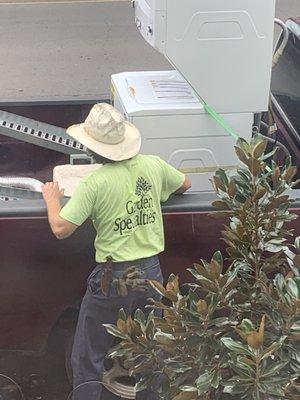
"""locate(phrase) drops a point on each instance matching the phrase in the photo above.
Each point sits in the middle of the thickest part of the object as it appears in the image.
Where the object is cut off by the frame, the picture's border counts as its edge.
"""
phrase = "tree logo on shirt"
(139, 212)
(142, 187)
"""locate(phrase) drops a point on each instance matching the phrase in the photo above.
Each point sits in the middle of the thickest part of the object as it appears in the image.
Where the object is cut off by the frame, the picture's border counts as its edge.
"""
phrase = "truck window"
(286, 81)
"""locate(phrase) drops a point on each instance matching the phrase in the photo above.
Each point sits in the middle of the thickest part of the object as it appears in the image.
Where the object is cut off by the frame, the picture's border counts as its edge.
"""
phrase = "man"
(123, 200)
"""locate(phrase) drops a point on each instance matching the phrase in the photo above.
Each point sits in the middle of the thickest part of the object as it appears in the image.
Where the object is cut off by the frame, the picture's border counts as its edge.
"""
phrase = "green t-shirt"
(123, 200)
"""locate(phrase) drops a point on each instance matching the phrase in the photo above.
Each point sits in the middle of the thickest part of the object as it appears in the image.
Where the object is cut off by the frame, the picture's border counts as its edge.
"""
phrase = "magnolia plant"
(235, 333)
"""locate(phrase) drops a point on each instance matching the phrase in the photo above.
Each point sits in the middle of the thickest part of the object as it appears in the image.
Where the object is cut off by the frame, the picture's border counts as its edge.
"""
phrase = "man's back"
(123, 200)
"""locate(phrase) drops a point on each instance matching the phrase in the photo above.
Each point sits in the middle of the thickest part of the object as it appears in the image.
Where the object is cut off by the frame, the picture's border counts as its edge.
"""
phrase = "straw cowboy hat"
(107, 133)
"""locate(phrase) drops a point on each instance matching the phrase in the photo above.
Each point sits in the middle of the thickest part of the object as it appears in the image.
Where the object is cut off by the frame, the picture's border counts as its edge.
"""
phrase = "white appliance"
(222, 48)
(174, 124)
(222, 53)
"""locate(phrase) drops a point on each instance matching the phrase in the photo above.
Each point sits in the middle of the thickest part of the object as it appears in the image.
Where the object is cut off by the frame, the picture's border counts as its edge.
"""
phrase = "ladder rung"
(38, 133)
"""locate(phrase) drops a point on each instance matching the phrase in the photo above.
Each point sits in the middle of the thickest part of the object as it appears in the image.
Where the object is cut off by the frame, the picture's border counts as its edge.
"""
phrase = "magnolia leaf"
(289, 174)
(171, 296)
(140, 316)
(247, 326)
(158, 287)
(215, 383)
(242, 372)
(240, 198)
(244, 145)
(231, 189)
(122, 314)
(236, 388)
(202, 307)
(203, 382)
(260, 193)
(273, 389)
(276, 174)
(297, 260)
(215, 269)
(223, 176)
(114, 331)
(202, 271)
(272, 370)
(218, 258)
(207, 285)
(219, 183)
(221, 205)
(259, 149)
(277, 201)
(255, 166)
(241, 155)
(142, 384)
(292, 288)
(230, 285)
(187, 393)
(273, 348)
(121, 325)
(236, 347)
(254, 340)
(173, 284)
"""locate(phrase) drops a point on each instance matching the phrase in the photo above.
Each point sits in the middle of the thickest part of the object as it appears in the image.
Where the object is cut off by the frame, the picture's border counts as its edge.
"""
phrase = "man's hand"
(51, 191)
(187, 184)
(52, 196)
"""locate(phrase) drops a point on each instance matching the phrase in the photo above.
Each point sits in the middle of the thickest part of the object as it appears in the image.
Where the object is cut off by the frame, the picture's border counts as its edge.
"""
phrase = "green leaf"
(122, 315)
(158, 287)
(273, 370)
(218, 258)
(220, 205)
(114, 331)
(259, 149)
(273, 348)
(223, 176)
(142, 384)
(242, 156)
(241, 370)
(236, 388)
(279, 282)
(187, 393)
(292, 288)
(236, 347)
(203, 382)
(243, 144)
(140, 317)
(247, 326)
(272, 389)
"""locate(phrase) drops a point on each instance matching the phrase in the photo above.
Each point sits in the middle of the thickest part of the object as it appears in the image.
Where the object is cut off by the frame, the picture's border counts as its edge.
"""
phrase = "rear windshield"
(286, 81)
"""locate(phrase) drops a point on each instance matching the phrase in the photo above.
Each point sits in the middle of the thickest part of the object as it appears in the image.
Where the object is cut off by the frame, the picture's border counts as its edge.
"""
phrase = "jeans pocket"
(94, 281)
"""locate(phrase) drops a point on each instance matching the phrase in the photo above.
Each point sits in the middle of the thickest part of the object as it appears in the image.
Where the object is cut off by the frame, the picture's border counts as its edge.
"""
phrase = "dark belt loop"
(107, 276)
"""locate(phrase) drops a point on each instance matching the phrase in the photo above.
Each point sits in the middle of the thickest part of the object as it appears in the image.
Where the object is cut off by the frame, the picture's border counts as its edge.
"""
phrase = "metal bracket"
(17, 193)
(38, 133)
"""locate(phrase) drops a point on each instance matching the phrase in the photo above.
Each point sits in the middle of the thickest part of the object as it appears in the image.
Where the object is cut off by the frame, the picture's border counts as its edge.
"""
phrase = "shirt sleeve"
(80, 207)
(172, 180)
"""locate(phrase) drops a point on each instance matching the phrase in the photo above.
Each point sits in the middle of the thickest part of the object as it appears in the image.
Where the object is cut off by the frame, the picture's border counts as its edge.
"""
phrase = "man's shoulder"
(149, 158)
(95, 176)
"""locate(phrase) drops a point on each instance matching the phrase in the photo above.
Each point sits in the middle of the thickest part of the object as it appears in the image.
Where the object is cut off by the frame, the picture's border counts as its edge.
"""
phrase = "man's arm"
(187, 184)
(59, 226)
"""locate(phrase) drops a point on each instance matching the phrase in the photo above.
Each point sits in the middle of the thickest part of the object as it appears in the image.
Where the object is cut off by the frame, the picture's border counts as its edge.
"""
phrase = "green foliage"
(236, 333)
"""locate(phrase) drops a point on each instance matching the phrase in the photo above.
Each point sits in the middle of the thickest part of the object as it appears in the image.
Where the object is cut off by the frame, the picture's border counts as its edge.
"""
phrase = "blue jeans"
(92, 342)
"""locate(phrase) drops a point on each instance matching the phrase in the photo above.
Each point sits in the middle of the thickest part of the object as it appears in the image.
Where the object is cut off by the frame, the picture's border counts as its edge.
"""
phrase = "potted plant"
(235, 333)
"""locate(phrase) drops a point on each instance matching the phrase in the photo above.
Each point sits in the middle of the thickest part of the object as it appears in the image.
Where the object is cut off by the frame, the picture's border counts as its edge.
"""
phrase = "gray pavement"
(68, 50)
